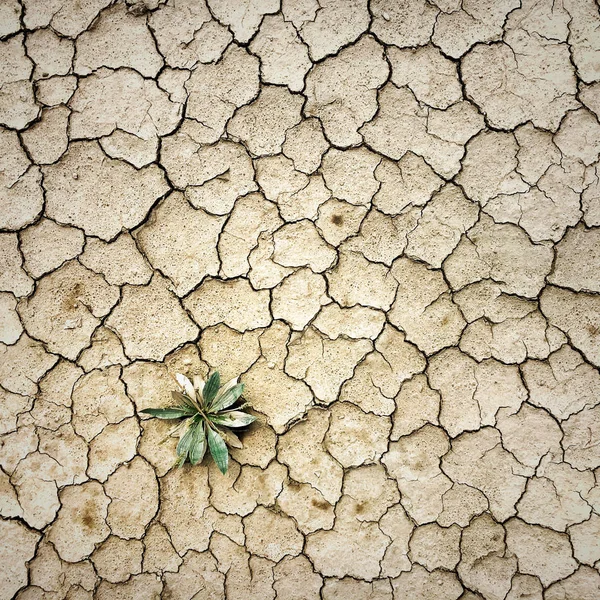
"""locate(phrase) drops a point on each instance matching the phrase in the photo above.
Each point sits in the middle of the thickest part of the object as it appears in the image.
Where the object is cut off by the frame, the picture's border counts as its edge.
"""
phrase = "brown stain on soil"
(320, 504)
(71, 301)
(360, 508)
(87, 518)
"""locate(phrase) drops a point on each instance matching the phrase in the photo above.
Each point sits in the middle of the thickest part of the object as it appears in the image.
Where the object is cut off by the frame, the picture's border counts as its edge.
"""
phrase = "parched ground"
(385, 215)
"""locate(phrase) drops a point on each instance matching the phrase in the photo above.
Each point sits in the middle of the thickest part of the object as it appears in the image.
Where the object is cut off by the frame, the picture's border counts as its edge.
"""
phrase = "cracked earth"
(385, 215)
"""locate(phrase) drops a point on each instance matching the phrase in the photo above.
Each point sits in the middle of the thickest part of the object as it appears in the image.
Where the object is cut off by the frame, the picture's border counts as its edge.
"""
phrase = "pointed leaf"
(173, 412)
(186, 384)
(218, 449)
(198, 446)
(230, 438)
(225, 400)
(233, 418)
(211, 387)
(183, 447)
(230, 384)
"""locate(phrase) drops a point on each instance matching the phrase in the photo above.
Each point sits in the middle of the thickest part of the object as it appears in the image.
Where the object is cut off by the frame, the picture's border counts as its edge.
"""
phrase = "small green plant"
(208, 418)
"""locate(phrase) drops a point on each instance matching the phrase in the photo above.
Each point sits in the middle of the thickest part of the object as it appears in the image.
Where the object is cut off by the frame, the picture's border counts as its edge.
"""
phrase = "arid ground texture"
(384, 215)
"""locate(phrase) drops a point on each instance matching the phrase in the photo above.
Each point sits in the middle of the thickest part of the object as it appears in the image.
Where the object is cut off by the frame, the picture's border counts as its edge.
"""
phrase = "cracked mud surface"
(384, 215)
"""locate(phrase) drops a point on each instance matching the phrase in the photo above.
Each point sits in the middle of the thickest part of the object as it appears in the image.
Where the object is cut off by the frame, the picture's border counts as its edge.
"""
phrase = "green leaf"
(211, 387)
(172, 412)
(183, 447)
(230, 384)
(227, 398)
(233, 418)
(218, 449)
(198, 445)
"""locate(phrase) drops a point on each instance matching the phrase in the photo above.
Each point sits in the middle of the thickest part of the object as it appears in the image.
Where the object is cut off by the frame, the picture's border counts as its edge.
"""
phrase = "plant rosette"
(209, 415)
